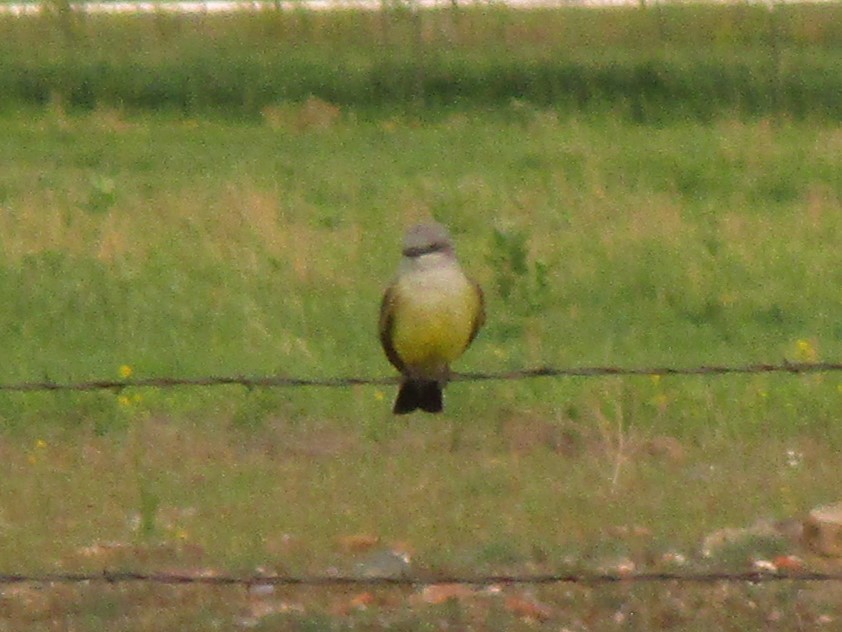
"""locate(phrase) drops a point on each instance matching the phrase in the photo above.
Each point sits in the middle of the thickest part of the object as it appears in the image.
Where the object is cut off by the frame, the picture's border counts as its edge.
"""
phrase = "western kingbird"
(429, 315)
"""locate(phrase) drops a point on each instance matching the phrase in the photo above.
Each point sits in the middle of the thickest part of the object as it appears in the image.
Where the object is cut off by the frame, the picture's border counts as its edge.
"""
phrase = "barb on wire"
(522, 374)
(328, 581)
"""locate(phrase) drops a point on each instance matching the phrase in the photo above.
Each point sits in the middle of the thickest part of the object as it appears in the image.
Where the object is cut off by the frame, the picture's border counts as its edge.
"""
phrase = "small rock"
(823, 530)
(440, 593)
(617, 566)
(385, 564)
(788, 563)
(764, 566)
(260, 590)
(362, 601)
(358, 542)
(673, 558)
(261, 609)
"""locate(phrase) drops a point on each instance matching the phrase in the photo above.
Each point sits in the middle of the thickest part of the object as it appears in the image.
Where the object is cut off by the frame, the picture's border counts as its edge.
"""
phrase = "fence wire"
(326, 581)
(520, 374)
(329, 581)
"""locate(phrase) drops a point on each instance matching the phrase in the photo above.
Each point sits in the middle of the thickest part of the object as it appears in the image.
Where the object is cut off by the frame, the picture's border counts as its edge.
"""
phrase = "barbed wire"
(328, 581)
(520, 374)
(408, 581)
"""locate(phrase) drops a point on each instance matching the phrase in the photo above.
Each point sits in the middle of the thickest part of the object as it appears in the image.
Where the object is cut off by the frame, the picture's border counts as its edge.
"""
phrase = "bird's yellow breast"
(434, 316)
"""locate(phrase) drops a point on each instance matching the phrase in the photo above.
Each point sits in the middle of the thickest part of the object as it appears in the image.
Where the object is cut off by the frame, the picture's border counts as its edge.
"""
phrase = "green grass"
(671, 62)
(192, 246)
(286, 499)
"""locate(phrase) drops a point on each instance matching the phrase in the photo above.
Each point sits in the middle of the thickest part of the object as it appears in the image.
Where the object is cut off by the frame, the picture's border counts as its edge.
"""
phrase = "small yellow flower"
(806, 351)
(124, 401)
(656, 379)
(37, 453)
(379, 395)
(660, 401)
(125, 371)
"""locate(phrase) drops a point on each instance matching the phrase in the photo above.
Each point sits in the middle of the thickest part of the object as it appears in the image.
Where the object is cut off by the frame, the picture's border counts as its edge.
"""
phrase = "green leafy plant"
(102, 194)
(521, 281)
(148, 505)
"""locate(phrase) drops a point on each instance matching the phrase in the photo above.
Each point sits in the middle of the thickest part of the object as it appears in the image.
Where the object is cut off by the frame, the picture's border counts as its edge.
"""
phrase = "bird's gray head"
(426, 238)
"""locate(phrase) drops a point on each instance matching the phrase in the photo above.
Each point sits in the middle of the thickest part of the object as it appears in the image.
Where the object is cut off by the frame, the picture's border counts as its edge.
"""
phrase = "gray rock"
(823, 530)
(385, 564)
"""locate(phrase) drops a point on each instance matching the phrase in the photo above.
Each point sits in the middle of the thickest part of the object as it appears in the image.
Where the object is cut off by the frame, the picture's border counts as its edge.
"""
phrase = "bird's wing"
(479, 320)
(387, 321)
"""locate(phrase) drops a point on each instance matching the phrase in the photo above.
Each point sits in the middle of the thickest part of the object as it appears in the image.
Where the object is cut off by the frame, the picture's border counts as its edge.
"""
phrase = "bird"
(429, 315)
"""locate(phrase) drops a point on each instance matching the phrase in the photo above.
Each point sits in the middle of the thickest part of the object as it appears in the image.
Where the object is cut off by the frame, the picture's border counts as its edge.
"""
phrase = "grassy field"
(190, 247)
(645, 65)
(141, 244)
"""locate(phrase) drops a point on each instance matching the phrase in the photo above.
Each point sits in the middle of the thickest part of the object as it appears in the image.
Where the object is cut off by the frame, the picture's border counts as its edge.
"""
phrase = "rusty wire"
(328, 581)
(521, 374)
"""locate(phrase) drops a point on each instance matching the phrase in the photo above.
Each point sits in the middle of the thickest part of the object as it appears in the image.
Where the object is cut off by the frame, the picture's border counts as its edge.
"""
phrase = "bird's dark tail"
(415, 394)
